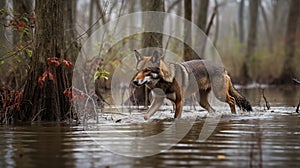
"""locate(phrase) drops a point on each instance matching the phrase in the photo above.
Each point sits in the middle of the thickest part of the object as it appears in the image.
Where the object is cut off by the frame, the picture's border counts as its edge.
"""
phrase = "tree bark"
(46, 101)
(288, 71)
(251, 43)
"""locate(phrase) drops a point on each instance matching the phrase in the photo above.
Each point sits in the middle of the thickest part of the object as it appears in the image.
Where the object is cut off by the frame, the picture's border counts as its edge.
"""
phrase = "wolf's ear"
(155, 57)
(137, 55)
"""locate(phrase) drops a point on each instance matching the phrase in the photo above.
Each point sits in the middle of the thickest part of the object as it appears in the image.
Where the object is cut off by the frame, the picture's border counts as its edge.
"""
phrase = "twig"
(92, 26)
(13, 53)
(164, 54)
(296, 80)
(267, 103)
(297, 109)
(37, 114)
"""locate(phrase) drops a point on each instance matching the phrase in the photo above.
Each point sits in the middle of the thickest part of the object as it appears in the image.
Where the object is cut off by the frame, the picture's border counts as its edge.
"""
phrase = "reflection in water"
(258, 139)
(238, 141)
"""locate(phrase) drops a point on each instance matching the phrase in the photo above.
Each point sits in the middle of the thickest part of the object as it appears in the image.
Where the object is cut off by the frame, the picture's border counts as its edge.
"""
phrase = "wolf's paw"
(146, 116)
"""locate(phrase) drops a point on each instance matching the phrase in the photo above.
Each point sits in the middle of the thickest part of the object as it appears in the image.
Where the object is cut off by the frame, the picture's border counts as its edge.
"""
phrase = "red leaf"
(66, 92)
(54, 61)
(68, 63)
(82, 97)
(41, 81)
(22, 24)
(51, 76)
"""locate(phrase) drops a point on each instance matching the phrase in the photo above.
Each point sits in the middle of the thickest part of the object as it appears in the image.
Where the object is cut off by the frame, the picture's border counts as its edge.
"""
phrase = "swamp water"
(263, 138)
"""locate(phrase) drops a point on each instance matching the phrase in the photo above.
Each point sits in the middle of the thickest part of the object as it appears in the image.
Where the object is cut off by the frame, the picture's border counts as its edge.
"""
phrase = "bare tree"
(202, 16)
(188, 53)
(268, 32)
(288, 71)
(251, 43)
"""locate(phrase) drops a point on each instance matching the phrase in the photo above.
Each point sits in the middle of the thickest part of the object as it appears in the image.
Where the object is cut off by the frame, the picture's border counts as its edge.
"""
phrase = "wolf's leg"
(178, 111)
(204, 100)
(221, 87)
(229, 99)
(157, 100)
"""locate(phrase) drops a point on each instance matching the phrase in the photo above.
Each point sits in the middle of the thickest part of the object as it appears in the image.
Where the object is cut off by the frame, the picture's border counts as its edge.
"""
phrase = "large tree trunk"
(202, 16)
(43, 97)
(188, 53)
(288, 71)
(251, 43)
(150, 39)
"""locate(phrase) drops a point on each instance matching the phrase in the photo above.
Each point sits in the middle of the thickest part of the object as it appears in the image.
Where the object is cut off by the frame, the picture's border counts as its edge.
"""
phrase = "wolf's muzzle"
(140, 83)
(136, 83)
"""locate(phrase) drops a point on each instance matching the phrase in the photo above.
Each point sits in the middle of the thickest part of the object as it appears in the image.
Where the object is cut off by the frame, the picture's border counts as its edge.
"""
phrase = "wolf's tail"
(241, 101)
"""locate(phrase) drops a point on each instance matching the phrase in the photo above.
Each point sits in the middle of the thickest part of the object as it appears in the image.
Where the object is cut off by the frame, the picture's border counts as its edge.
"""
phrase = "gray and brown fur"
(176, 81)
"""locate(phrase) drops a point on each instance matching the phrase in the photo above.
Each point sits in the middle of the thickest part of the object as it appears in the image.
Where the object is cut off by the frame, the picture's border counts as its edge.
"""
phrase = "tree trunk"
(188, 53)
(71, 44)
(251, 43)
(288, 71)
(139, 95)
(202, 16)
(44, 97)
(201, 23)
(268, 33)
(241, 21)
(150, 39)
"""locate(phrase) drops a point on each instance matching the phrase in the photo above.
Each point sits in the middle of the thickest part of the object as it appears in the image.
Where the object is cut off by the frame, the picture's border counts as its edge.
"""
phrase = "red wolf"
(176, 81)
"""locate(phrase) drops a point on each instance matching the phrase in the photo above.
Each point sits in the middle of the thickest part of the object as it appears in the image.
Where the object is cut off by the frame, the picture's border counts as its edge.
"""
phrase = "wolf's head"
(150, 69)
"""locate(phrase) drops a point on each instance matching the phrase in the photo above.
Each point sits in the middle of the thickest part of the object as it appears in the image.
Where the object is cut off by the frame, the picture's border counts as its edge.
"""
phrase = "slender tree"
(44, 97)
(288, 71)
(188, 52)
(251, 43)
(202, 16)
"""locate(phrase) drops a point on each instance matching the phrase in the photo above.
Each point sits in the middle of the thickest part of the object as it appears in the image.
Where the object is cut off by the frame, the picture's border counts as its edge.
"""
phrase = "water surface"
(263, 138)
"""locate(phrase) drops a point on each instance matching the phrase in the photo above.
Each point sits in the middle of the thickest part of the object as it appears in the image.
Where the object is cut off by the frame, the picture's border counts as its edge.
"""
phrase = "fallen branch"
(296, 80)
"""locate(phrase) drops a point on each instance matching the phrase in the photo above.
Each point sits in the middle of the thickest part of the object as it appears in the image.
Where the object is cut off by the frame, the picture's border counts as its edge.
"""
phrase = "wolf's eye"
(147, 70)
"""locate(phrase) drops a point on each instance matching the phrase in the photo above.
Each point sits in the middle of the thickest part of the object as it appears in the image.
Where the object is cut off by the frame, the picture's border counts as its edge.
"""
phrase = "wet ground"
(263, 138)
